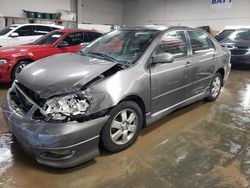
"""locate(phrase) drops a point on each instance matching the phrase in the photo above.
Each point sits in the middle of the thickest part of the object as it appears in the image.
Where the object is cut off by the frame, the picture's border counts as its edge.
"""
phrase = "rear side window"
(90, 36)
(200, 43)
(42, 30)
(174, 43)
(74, 39)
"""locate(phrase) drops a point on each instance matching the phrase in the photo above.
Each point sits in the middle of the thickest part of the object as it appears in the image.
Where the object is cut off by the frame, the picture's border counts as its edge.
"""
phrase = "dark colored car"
(238, 43)
(14, 58)
(63, 107)
(224, 34)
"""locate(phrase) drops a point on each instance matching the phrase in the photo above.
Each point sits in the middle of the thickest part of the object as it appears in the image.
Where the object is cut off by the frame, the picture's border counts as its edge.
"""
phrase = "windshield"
(226, 33)
(6, 30)
(121, 46)
(48, 39)
(240, 35)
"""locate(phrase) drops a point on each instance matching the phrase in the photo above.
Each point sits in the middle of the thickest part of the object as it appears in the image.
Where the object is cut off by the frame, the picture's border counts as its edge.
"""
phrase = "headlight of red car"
(3, 61)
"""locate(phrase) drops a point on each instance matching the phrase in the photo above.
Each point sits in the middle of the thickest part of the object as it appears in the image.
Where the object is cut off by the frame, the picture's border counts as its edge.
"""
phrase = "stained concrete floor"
(202, 145)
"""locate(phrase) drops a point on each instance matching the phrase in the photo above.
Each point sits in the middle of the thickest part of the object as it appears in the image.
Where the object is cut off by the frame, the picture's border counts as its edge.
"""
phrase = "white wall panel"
(100, 11)
(185, 12)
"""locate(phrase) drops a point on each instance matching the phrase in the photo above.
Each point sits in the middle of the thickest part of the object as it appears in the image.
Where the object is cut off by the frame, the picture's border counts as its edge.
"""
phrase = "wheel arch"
(222, 72)
(139, 101)
(24, 59)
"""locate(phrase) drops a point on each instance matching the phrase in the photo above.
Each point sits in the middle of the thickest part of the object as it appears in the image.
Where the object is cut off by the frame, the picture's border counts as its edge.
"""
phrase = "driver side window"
(174, 43)
(74, 39)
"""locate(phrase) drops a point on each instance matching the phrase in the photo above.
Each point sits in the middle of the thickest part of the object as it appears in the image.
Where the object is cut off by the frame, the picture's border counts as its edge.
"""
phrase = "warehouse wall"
(14, 7)
(100, 11)
(183, 12)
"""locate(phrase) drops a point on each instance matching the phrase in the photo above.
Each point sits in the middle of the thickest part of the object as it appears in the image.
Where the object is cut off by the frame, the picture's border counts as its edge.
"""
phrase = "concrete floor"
(202, 145)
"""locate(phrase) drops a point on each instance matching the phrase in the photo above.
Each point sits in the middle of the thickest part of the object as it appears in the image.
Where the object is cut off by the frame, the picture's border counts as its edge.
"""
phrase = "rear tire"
(215, 87)
(18, 68)
(123, 126)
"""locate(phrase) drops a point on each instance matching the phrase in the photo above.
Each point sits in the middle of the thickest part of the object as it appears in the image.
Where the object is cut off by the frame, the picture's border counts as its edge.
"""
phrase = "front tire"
(122, 127)
(215, 87)
(18, 68)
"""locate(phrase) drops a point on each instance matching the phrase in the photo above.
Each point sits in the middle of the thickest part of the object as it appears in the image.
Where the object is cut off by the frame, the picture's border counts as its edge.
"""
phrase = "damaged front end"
(61, 131)
(81, 105)
(67, 107)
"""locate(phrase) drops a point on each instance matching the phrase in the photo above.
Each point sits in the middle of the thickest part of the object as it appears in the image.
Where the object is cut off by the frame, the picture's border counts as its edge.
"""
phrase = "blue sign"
(220, 4)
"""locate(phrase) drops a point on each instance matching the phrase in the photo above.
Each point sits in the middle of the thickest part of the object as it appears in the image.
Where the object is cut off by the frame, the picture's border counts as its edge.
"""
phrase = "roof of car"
(156, 27)
(49, 25)
(76, 30)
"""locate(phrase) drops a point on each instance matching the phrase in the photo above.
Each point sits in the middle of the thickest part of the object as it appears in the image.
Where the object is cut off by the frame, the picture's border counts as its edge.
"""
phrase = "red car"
(14, 59)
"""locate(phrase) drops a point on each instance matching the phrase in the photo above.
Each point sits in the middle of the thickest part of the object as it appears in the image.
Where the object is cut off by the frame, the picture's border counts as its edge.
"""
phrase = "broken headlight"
(61, 108)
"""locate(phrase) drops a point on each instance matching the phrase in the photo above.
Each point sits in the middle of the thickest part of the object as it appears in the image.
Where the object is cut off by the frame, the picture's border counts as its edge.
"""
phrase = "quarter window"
(74, 39)
(200, 43)
(174, 43)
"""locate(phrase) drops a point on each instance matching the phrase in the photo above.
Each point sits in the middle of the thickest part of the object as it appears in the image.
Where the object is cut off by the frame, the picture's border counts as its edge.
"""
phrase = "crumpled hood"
(62, 73)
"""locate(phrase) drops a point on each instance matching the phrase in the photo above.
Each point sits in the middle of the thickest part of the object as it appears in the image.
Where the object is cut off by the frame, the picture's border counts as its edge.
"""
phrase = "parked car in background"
(62, 108)
(228, 31)
(223, 34)
(13, 59)
(24, 33)
(238, 42)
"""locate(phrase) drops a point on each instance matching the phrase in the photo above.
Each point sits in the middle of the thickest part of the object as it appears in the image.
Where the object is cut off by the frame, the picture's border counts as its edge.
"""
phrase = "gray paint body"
(162, 87)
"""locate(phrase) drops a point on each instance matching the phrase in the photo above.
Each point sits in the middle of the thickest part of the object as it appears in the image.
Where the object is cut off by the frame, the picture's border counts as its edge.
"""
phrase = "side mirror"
(62, 44)
(163, 58)
(13, 35)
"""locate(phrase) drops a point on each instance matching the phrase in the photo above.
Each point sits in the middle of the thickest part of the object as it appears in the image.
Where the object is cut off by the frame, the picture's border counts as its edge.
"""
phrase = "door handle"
(188, 65)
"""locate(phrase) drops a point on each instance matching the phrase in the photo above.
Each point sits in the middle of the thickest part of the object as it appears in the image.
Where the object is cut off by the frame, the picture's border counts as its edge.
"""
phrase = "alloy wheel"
(19, 69)
(124, 126)
(216, 86)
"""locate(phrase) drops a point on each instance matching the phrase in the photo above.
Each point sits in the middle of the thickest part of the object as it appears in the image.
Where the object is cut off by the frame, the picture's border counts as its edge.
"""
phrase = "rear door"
(203, 60)
(171, 83)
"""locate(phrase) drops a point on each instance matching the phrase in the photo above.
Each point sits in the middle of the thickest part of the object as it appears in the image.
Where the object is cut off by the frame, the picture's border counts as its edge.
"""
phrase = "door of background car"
(71, 43)
(203, 61)
(26, 34)
(171, 83)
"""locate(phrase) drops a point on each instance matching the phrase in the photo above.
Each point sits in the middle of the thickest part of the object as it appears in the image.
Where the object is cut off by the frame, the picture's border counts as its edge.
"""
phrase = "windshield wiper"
(105, 56)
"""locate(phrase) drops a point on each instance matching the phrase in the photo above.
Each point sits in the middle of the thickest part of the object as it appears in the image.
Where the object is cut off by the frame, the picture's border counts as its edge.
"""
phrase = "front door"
(171, 83)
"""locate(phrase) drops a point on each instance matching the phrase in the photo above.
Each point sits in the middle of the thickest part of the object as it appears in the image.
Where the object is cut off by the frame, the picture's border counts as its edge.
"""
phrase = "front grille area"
(31, 94)
(21, 101)
(239, 52)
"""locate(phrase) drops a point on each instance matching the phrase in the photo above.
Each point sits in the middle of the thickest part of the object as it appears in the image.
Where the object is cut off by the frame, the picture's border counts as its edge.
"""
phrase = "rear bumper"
(60, 145)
